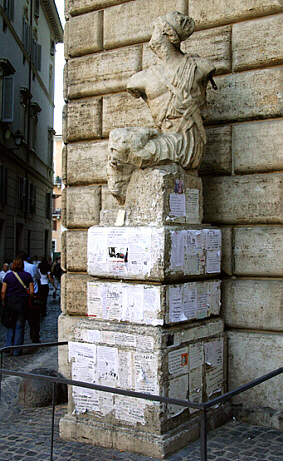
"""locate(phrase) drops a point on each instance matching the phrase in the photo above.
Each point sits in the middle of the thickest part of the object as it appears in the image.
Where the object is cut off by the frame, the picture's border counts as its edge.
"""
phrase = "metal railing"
(203, 407)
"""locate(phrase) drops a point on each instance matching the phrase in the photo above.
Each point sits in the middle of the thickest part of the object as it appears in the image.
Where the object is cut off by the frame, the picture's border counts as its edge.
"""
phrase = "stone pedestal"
(152, 320)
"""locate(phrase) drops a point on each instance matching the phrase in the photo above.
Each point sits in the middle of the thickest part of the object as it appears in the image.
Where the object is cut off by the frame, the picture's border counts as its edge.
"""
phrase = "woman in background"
(15, 296)
(45, 277)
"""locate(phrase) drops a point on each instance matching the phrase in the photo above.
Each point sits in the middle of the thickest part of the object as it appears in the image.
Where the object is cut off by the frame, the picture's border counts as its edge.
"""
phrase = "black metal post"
(203, 435)
(53, 417)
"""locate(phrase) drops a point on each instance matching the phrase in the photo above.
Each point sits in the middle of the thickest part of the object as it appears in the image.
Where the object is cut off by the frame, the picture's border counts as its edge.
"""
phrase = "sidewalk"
(25, 433)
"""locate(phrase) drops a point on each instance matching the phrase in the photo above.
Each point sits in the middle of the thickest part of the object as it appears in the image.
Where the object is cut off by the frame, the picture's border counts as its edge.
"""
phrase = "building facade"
(57, 197)
(29, 32)
(241, 169)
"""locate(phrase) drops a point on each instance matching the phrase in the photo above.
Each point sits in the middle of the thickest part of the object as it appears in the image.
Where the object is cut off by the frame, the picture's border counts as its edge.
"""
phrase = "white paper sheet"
(176, 303)
(94, 300)
(196, 355)
(125, 370)
(81, 350)
(214, 381)
(193, 206)
(213, 352)
(190, 300)
(177, 249)
(213, 260)
(178, 389)
(107, 364)
(177, 204)
(195, 386)
(178, 361)
(146, 373)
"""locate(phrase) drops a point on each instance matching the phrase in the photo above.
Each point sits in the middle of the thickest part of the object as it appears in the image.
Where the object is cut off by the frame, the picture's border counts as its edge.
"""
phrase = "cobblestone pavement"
(25, 433)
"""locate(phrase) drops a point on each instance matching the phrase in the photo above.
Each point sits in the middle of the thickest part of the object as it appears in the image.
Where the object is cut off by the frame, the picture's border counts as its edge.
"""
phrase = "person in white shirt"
(45, 278)
(4, 271)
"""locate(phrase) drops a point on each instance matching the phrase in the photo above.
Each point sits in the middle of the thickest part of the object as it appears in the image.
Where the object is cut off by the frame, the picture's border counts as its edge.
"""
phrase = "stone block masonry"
(240, 171)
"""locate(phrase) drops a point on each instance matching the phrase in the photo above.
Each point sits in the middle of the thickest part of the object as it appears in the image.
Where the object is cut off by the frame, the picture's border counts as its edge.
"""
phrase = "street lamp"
(18, 137)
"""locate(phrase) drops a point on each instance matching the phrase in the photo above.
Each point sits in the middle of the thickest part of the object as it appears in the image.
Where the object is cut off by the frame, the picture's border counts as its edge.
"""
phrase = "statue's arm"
(206, 71)
(136, 85)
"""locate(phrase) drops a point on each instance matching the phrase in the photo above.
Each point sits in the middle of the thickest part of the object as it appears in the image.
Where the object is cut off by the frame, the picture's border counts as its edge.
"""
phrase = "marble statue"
(175, 91)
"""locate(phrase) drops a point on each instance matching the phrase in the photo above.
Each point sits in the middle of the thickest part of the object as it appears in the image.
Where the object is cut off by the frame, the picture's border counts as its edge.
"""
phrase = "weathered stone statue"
(175, 91)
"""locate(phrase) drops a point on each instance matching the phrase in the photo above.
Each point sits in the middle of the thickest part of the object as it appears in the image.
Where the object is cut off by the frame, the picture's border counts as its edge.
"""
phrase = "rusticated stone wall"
(105, 43)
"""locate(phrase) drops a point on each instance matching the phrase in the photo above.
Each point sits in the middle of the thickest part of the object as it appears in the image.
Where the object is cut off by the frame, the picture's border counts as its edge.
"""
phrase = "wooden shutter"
(8, 99)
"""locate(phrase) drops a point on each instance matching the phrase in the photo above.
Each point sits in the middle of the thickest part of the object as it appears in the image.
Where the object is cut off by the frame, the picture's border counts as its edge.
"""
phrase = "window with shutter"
(31, 201)
(26, 35)
(21, 193)
(8, 99)
(36, 55)
(9, 8)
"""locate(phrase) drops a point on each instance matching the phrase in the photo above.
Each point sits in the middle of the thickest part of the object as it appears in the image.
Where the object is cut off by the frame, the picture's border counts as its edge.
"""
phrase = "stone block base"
(158, 196)
(157, 254)
(132, 440)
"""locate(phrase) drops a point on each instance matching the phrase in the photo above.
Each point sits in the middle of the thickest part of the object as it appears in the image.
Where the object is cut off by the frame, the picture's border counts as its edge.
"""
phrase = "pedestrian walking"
(15, 300)
(56, 271)
(45, 278)
(4, 271)
(34, 317)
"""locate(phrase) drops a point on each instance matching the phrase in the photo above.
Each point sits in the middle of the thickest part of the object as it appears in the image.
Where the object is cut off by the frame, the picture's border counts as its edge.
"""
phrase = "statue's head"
(176, 26)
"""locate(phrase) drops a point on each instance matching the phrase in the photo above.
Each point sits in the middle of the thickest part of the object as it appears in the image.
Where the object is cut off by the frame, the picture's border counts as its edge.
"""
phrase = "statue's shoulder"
(204, 66)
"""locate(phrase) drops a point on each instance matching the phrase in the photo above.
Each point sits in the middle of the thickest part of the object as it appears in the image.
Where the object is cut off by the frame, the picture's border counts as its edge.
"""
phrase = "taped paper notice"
(107, 365)
(177, 249)
(81, 350)
(139, 251)
(120, 218)
(83, 358)
(213, 352)
(144, 343)
(202, 301)
(106, 402)
(195, 386)
(178, 361)
(152, 309)
(130, 410)
(214, 381)
(178, 389)
(134, 300)
(190, 300)
(96, 249)
(112, 302)
(177, 203)
(213, 239)
(193, 206)
(196, 355)
(94, 300)
(215, 297)
(176, 313)
(213, 247)
(125, 370)
(146, 373)
(91, 336)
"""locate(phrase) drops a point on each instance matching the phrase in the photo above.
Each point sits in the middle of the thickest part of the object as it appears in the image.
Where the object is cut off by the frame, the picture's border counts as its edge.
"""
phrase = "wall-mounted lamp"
(18, 137)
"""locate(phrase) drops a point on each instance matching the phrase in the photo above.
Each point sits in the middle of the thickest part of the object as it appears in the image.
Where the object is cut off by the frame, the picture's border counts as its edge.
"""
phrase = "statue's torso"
(156, 84)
